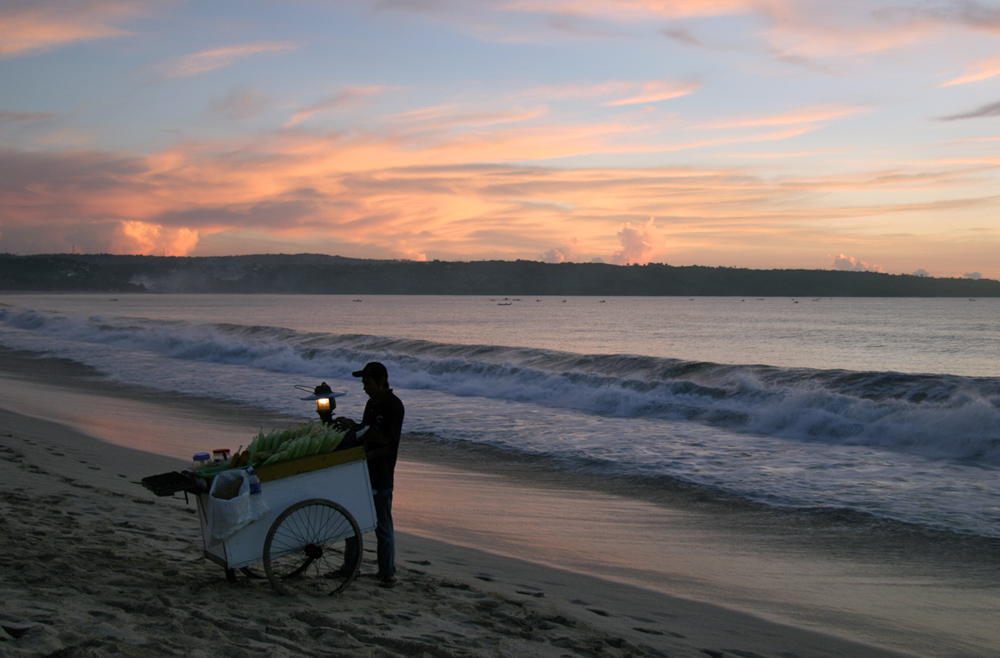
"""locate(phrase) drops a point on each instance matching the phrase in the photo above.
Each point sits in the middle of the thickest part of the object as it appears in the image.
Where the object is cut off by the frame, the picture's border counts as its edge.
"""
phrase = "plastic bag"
(227, 517)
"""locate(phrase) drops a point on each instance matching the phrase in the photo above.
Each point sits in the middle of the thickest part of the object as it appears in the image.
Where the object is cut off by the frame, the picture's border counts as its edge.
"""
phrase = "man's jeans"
(386, 549)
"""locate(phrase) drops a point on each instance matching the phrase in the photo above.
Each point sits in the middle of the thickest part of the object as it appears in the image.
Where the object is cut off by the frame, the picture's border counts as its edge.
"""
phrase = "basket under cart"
(310, 538)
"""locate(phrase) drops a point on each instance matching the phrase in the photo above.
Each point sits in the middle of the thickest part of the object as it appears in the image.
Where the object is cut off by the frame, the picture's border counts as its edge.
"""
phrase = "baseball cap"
(373, 369)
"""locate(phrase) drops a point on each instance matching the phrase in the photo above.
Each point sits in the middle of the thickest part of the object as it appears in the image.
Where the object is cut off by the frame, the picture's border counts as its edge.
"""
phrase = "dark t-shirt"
(385, 416)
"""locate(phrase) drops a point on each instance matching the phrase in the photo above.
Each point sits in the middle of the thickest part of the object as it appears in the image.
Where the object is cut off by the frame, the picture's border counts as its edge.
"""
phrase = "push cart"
(310, 538)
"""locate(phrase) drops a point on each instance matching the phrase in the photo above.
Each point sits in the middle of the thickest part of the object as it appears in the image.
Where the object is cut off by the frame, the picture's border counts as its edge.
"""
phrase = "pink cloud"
(828, 31)
(565, 254)
(209, 60)
(134, 237)
(34, 26)
(851, 264)
(806, 115)
(448, 117)
(448, 191)
(240, 103)
(639, 243)
(980, 70)
(634, 10)
(21, 117)
(658, 90)
(342, 99)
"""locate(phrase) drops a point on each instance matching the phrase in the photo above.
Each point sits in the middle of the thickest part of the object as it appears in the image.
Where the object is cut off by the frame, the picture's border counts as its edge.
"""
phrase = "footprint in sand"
(17, 630)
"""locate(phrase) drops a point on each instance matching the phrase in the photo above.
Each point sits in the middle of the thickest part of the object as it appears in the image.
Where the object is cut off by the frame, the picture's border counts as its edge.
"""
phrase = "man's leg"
(386, 550)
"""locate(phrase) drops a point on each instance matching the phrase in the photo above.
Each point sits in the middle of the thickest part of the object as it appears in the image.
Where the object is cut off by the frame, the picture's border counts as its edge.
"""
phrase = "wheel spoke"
(306, 548)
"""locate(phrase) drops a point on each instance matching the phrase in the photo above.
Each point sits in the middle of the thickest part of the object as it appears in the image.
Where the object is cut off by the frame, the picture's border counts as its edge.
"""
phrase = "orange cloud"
(815, 114)
(441, 185)
(340, 100)
(209, 60)
(852, 264)
(136, 237)
(795, 30)
(632, 10)
(981, 70)
(40, 25)
(639, 244)
(455, 116)
(658, 90)
(818, 29)
(7, 118)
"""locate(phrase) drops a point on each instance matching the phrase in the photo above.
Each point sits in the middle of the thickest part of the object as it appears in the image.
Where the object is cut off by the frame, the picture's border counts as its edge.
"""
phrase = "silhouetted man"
(379, 430)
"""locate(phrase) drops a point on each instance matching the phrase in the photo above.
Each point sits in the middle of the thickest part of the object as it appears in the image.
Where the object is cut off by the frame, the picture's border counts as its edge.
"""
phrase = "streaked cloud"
(771, 133)
(985, 111)
(334, 102)
(807, 115)
(980, 70)
(34, 26)
(443, 117)
(240, 103)
(23, 117)
(682, 35)
(216, 58)
(364, 196)
(656, 91)
(631, 10)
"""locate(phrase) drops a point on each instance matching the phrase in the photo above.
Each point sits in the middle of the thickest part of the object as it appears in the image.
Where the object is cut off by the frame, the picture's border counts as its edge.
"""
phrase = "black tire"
(304, 552)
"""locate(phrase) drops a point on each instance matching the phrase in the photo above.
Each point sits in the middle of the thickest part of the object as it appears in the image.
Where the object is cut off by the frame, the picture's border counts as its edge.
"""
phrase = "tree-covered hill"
(320, 274)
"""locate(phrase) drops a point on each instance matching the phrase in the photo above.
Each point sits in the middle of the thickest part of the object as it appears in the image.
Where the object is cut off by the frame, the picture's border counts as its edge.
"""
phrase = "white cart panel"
(345, 484)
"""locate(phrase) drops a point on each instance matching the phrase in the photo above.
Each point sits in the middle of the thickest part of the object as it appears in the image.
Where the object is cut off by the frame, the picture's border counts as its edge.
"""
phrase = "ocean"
(884, 408)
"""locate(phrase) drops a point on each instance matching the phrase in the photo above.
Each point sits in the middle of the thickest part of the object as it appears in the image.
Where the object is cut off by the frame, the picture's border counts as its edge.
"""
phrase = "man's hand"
(343, 423)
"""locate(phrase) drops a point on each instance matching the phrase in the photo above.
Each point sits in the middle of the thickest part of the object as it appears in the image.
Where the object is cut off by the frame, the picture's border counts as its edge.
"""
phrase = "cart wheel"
(304, 551)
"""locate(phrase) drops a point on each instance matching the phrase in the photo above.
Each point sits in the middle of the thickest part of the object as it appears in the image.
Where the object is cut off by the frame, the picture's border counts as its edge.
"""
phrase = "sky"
(766, 134)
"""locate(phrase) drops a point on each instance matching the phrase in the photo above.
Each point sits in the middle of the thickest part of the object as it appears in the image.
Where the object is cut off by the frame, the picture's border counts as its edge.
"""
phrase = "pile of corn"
(294, 443)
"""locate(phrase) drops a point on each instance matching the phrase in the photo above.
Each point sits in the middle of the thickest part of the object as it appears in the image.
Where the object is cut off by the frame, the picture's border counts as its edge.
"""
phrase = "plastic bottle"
(254, 480)
(201, 460)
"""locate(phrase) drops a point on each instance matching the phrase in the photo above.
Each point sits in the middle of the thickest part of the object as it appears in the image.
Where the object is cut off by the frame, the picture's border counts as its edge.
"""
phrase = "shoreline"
(637, 616)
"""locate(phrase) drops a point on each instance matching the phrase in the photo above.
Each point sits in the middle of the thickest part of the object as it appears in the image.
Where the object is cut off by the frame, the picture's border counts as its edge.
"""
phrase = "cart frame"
(310, 539)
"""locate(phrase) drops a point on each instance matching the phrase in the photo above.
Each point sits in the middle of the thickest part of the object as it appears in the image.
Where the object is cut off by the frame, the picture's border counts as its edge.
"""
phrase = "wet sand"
(493, 560)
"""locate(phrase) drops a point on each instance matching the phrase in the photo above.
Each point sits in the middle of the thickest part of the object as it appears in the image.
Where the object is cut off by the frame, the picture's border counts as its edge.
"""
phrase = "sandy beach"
(97, 565)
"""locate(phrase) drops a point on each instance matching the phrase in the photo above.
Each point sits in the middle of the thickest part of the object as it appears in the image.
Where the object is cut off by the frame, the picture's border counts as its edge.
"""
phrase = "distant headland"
(321, 274)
